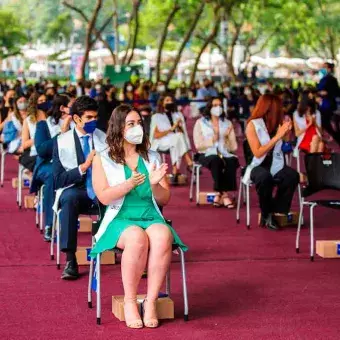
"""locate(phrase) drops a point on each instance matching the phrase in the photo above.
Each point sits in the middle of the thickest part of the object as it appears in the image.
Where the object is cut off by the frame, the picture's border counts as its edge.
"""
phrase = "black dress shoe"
(70, 271)
(48, 234)
(269, 223)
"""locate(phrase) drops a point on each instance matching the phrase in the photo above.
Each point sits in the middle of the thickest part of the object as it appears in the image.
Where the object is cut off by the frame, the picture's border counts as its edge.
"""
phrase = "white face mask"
(226, 90)
(22, 106)
(129, 88)
(161, 88)
(216, 111)
(247, 92)
(134, 135)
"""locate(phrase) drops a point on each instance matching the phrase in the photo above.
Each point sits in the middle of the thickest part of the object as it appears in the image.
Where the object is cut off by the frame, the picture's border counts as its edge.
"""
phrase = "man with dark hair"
(328, 90)
(72, 169)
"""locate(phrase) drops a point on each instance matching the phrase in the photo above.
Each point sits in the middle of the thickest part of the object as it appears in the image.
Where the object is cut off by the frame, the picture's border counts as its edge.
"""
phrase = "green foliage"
(12, 34)
(61, 26)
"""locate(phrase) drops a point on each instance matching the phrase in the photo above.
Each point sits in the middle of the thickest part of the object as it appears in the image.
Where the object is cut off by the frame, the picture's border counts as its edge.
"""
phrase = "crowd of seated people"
(91, 152)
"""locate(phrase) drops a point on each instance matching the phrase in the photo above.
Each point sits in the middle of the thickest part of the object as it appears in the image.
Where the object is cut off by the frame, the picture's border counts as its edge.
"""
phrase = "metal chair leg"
(58, 239)
(248, 206)
(239, 201)
(98, 291)
(41, 209)
(185, 292)
(89, 288)
(297, 242)
(192, 183)
(53, 235)
(167, 283)
(197, 184)
(2, 170)
(311, 211)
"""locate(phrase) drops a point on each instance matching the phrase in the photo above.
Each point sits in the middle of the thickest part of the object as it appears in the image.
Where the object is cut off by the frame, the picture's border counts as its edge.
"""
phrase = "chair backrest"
(248, 155)
(323, 172)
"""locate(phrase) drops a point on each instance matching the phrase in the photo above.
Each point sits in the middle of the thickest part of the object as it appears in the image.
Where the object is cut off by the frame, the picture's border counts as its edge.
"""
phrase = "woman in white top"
(265, 131)
(215, 140)
(168, 132)
(307, 126)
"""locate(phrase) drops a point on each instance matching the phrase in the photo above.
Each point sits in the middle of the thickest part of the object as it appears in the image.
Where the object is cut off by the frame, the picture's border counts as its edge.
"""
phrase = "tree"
(62, 25)
(12, 34)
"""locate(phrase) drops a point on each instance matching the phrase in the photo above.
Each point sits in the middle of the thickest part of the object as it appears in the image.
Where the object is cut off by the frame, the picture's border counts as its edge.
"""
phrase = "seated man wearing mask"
(72, 169)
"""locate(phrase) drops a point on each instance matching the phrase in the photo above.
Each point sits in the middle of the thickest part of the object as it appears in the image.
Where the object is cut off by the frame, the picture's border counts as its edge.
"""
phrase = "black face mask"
(11, 102)
(170, 107)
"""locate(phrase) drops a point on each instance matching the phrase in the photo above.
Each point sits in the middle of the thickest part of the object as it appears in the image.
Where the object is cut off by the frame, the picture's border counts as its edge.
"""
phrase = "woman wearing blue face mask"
(131, 181)
(215, 140)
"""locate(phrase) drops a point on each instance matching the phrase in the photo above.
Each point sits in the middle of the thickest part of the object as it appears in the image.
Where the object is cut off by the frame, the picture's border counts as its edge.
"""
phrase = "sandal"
(217, 201)
(135, 324)
(150, 323)
(230, 205)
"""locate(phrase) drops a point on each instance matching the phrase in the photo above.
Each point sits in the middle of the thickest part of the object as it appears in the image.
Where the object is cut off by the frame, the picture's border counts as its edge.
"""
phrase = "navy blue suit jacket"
(62, 177)
(44, 146)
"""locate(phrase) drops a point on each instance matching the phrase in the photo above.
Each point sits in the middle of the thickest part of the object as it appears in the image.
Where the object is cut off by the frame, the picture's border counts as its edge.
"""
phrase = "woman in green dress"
(131, 181)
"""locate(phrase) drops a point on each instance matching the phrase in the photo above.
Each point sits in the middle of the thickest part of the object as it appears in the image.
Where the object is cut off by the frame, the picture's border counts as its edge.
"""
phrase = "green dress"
(138, 209)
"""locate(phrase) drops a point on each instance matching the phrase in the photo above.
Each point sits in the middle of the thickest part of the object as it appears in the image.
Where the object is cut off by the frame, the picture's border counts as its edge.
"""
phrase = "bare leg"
(160, 241)
(134, 242)
(314, 145)
(321, 147)
(188, 159)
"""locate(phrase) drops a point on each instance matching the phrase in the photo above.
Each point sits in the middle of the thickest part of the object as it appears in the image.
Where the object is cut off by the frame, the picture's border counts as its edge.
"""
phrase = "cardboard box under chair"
(83, 256)
(29, 201)
(328, 249)
(206, 197)
(165, 307)
(284, 220)
(182, 179)
(25, 183)
(85, 224)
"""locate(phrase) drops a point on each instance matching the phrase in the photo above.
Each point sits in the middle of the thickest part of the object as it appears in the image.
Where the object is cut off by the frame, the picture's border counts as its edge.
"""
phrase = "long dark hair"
(115, 135)
(207, 113)
(54, 112)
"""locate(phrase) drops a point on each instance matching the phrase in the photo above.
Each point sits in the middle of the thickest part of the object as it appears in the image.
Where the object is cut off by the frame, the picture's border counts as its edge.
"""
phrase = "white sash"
(32, 128)
(68, 154)
(208, 133)
(264, 138)
(115, 175)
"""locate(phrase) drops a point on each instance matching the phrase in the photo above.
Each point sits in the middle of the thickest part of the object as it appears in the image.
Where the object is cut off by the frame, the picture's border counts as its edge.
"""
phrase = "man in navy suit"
(72, 169)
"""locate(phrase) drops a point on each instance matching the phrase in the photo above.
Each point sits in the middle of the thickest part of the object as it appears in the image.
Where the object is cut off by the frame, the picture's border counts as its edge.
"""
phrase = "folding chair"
(97, 287)
(95, 211)
(323, 172)
(195, 178)
(2, 165)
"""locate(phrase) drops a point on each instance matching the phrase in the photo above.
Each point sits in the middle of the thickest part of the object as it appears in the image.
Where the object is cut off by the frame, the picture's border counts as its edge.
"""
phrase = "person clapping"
(131, 181)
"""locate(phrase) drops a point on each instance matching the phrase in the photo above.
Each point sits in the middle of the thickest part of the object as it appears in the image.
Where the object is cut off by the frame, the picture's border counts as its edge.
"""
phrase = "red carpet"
(243, 284)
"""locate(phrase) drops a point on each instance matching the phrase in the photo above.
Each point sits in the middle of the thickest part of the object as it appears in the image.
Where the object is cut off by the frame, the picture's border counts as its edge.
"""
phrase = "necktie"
(86, 151)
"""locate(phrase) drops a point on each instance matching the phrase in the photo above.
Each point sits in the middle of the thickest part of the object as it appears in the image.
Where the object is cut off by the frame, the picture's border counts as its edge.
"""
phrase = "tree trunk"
(88, 42)
(174, 10)
(230, 56)
(185, 41)
(207, 41)
(136, 6)
(116, 30)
